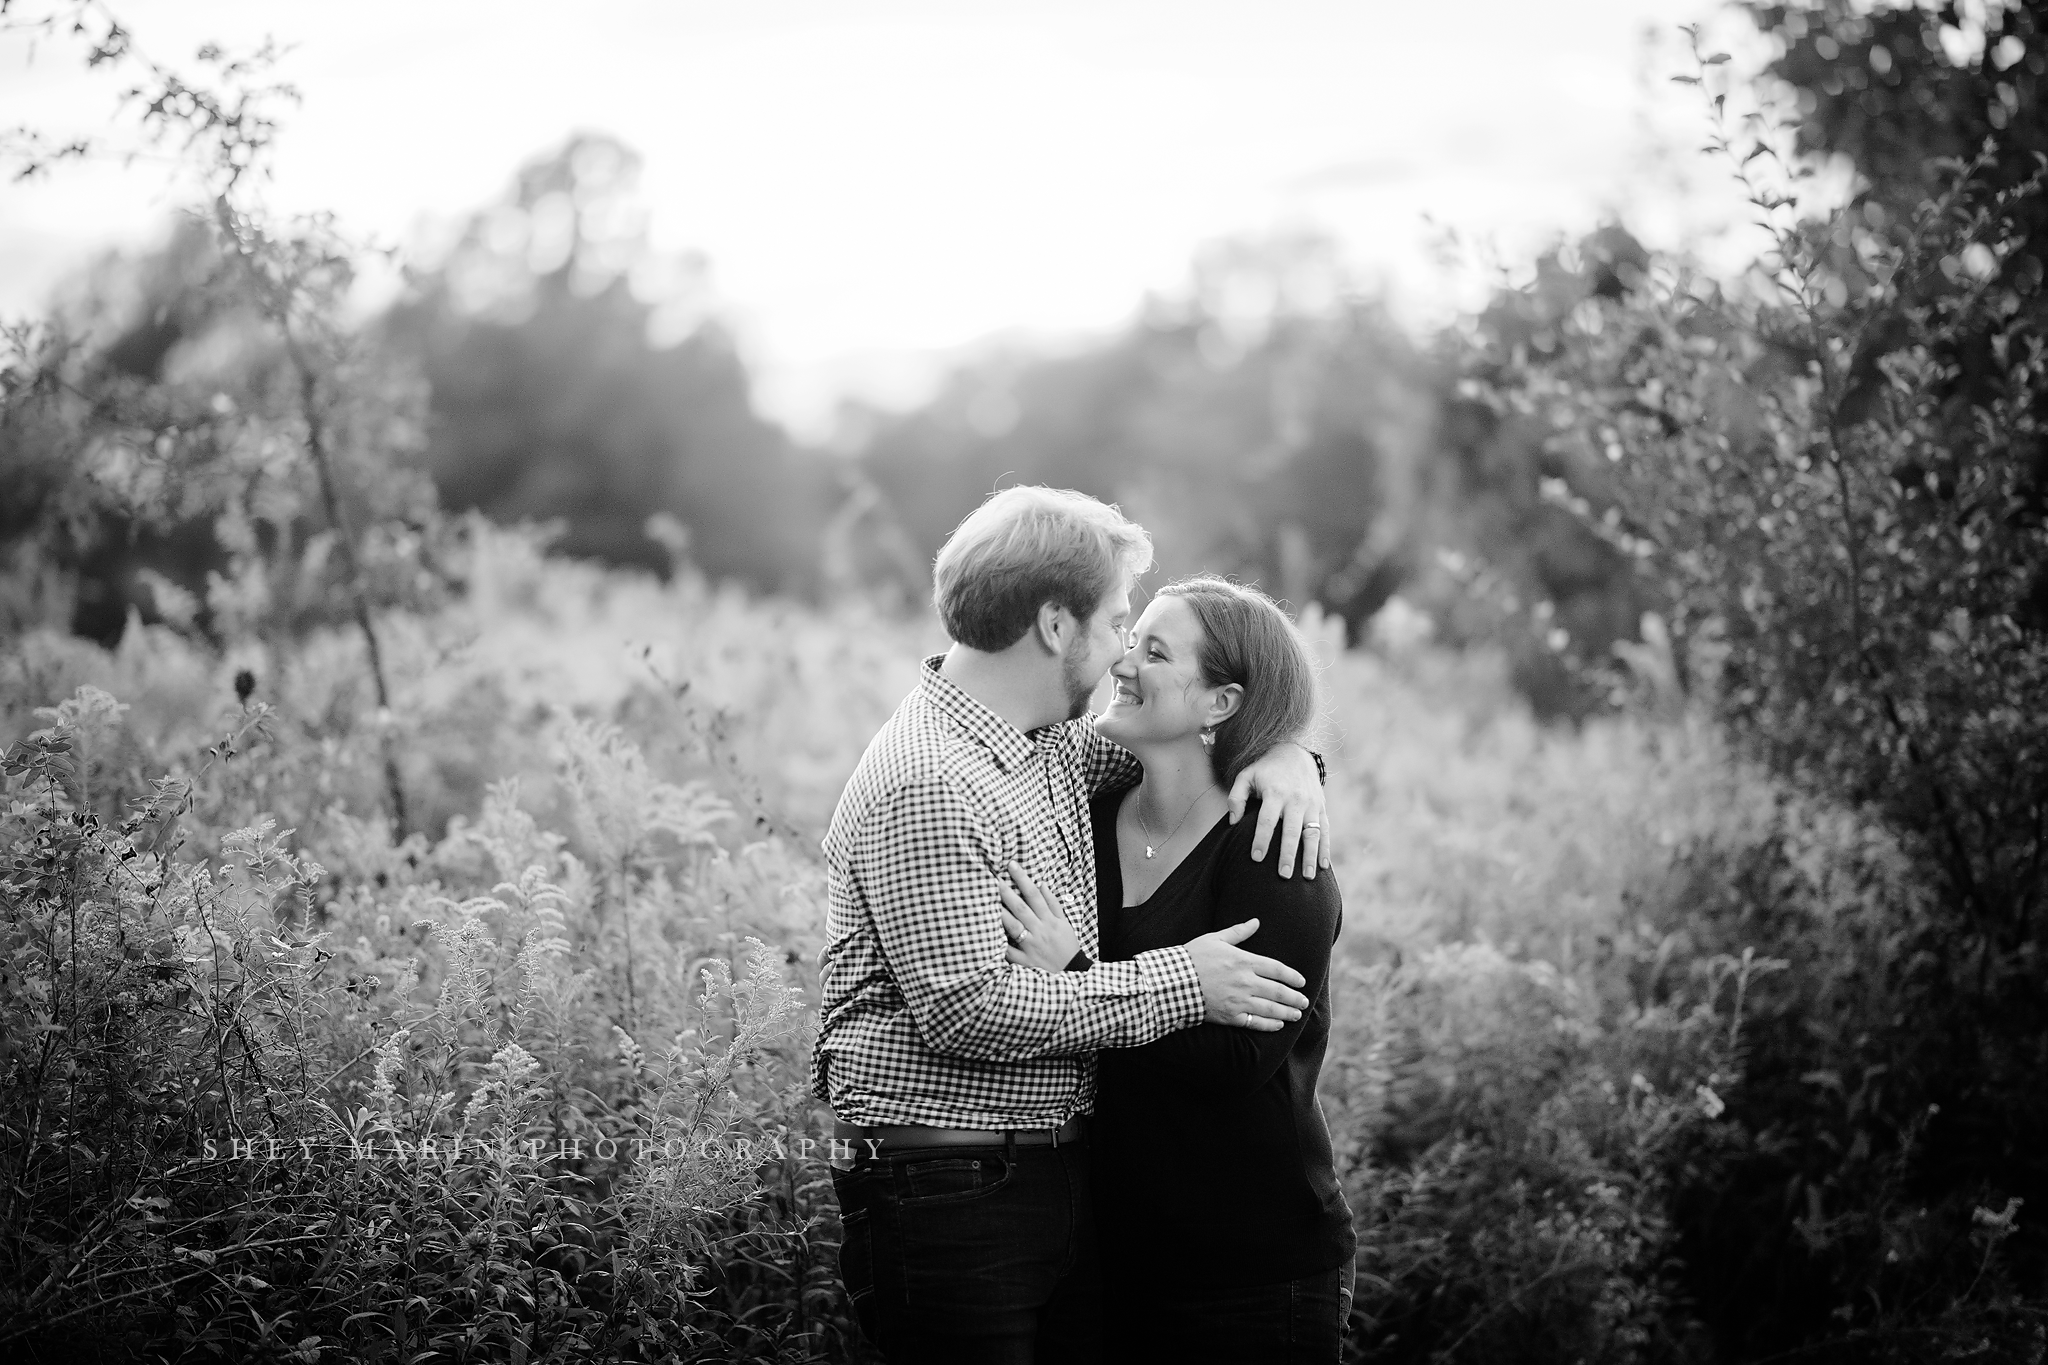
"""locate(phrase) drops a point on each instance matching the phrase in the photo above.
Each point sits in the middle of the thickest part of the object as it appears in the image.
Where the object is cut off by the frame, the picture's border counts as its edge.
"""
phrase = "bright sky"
(879, 183)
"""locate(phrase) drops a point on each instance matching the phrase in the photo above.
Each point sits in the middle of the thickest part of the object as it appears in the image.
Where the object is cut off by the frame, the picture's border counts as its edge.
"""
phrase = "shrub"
(256, 1108)
(1831, 475)
(1510, 1146)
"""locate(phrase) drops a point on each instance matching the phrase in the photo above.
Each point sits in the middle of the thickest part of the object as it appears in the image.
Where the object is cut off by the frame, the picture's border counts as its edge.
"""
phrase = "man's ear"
(1053, 627)
(1228, 701)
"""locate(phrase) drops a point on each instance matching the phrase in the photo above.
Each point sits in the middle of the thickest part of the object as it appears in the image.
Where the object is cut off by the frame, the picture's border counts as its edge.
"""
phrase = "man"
(962, 1081)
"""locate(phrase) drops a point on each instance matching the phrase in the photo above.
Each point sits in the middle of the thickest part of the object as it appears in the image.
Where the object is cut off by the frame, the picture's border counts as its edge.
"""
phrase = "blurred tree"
(1262, 425)
(555, 394)
(1269, 423)
(1901, 89)
(219, 407)
(1908, 94)
(93, 374)
(1529, 573)
(153, 441)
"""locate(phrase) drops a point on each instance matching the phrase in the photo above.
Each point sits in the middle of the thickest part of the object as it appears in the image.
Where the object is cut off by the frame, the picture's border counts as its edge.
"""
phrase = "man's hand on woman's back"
(1238, 988)
(1244, 989)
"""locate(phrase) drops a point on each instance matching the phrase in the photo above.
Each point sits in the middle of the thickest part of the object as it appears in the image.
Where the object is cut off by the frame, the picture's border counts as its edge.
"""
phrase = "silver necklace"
(1137, 809)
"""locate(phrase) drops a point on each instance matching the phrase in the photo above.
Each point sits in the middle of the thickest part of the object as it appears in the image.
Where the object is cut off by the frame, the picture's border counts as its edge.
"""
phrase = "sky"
(881, 186)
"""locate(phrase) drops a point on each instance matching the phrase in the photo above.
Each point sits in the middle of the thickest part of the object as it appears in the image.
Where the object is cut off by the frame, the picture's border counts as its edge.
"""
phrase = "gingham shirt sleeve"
(924, 860)
(1105, 764)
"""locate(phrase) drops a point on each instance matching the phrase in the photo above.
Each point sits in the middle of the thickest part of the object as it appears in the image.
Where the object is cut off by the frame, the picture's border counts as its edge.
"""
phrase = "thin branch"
(277, 302)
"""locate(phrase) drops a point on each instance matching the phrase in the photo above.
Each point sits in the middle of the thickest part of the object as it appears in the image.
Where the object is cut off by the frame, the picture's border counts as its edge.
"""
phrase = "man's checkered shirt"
(923, 1020)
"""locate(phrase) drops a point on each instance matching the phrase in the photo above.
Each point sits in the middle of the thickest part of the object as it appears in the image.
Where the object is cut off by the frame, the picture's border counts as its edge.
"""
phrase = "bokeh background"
(811, 282)
(470, 478)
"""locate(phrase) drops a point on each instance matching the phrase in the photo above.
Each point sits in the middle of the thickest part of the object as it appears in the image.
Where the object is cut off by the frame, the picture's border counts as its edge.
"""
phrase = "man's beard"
(1080, 690)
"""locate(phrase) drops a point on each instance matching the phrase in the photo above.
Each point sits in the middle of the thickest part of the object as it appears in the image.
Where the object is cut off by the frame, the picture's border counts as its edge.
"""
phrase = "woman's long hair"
(1248, 640)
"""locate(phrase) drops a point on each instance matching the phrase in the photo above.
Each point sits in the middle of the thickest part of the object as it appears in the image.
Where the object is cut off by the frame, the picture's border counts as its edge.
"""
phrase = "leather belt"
(910, 1137)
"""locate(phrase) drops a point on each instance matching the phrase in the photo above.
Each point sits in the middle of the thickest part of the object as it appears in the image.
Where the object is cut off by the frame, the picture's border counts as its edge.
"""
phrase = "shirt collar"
(1010, 745)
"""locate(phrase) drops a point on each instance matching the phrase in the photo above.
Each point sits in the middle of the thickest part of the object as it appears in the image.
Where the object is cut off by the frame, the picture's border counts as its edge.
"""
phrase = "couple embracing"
(1073, 1013)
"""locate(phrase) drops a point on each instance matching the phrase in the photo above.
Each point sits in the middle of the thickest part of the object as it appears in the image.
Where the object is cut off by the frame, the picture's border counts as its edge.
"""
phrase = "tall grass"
(281, 1086)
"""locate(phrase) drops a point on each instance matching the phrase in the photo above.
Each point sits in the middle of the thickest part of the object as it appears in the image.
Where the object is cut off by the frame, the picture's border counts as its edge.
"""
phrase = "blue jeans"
(1270, 1324)
(974, 1255)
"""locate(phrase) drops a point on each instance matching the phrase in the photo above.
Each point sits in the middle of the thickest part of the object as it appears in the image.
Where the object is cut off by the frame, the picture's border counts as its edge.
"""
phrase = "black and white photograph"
(884, 682)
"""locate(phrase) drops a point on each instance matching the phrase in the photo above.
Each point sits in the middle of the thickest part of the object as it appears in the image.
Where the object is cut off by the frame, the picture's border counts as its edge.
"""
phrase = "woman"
(1224, 1235)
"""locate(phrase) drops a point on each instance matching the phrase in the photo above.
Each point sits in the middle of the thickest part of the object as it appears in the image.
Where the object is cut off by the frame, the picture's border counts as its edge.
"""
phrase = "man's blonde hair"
(1027, 546)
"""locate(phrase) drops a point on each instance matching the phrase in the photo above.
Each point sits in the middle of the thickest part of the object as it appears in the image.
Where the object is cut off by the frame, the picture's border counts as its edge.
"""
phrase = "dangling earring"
(1208, 737)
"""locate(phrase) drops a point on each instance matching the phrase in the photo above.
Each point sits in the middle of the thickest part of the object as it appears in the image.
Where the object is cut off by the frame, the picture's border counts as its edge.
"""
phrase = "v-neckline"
(1222, 820)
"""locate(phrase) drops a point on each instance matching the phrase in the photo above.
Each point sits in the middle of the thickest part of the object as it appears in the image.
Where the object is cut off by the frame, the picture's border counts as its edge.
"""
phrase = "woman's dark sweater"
(1212, 1160)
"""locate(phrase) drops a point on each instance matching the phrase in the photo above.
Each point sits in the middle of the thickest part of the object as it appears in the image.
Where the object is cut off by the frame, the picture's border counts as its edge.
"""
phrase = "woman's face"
(1160, 695)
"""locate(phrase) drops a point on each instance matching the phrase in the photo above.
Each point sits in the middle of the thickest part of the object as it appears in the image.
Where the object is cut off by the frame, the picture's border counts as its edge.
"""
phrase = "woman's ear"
(1229, 699)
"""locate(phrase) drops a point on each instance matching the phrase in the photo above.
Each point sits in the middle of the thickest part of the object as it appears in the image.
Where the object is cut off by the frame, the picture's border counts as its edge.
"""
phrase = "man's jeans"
(974, 1255)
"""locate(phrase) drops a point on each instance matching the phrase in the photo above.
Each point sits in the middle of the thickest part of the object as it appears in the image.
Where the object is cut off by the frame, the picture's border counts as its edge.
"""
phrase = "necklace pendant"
(1149, 850)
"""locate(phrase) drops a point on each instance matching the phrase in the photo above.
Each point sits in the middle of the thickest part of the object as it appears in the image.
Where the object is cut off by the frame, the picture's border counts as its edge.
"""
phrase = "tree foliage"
(1833, 474)
(552, 401)
(1272, 423)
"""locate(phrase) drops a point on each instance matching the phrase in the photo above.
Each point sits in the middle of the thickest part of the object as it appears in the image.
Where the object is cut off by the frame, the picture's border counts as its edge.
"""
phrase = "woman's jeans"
(974, 1255)
(1270, 1324)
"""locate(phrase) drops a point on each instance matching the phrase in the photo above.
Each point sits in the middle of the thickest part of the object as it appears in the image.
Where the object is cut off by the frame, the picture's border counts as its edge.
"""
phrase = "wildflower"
(508, 1088)
(468, 973)
(629, 1051)
(389, 1059)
